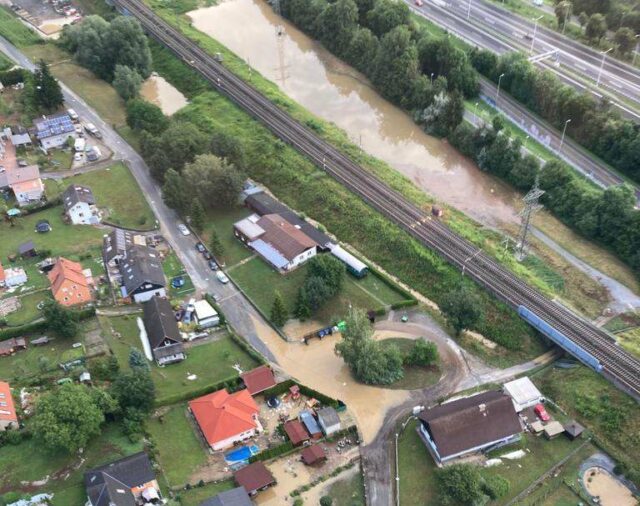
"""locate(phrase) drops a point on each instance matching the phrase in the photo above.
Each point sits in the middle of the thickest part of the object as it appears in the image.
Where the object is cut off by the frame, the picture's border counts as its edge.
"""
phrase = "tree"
(626, 40)
(128, 45)
(462, 308)
(67, 418)
(316, 292)
(596, 27)
(583, 19)
(443, 115)
(143, 115)
(174, 192)
(279, 313)
(59, 319)
(127, 82)
(229, 147)
(362, 49)
(459, 484)
(496, 486)
(197, 215)
(104, 368)
(337, 24)
(303, 309)
(396, 64)
(215, 245)
(134, 390)
(424, 353)
(387, 15)
(329, 269)
(563, 12)
(137, 360)
(326, 500)
(213, 180)
(46, 89)
(88, 41)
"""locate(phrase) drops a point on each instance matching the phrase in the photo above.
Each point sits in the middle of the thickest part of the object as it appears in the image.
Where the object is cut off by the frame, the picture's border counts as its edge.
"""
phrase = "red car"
(542, 413)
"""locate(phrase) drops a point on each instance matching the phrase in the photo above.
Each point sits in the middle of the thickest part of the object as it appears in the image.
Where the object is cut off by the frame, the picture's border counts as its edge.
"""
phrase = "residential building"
(313, 454)
(8, 415)
(141, 274)
(235, 497)
(310, 423)
(130, 481)
(523, 393)
(25, 183)
(469, 425)
(54, 131)
(206, 316)
(277, 241)
(259, 379)
(329, 420)
(69, 284)
(14, 276)
(296, 432)
(162, 331)
(225, 419)
(80, 205)
(116, 245)
(254, 478)
(17, 135)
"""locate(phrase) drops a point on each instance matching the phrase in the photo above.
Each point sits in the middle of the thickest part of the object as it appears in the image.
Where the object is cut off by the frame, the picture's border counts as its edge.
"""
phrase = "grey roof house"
(162, 331)
(80, 205)
(235, 497)
(141, 274)
(329, 420)
(115, 246)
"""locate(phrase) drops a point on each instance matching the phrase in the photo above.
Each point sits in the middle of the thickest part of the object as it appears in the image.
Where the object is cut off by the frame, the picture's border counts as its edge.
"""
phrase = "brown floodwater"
(162, 93)
(323, 84)
(599, 483)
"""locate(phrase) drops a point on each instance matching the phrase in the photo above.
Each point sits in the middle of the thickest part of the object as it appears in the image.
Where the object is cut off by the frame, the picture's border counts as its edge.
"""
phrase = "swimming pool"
(242, 454)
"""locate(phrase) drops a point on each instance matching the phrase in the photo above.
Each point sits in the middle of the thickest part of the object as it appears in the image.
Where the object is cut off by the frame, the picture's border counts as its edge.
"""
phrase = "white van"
(72, 114)
(79, 145)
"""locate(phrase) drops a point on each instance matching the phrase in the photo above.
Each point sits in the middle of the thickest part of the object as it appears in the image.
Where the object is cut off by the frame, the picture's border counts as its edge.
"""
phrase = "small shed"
(27, 249)
(254, 478)
(329, 420)
(259, 379)
(313, 454)
(553, 429)
(573, 430)
(523, 393)
(537, 427)
(85, 377)
(296, 432)
(310, 423)
(437, 211)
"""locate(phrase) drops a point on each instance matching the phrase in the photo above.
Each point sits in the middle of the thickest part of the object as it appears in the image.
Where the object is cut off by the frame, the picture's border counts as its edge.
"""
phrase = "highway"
(490, 27)
(619, 366)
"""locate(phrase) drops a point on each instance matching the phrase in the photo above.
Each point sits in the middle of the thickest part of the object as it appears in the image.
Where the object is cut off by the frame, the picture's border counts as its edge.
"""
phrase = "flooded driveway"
(608, 490)
(160, 92)
(317, 80)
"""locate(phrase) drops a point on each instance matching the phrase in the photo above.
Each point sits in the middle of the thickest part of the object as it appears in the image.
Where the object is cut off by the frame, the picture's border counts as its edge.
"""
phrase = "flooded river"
(311, 76)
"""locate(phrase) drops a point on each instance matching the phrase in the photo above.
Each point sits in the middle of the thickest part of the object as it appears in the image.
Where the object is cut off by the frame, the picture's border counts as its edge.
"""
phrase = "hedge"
(232, 383)
(283, 387)
(28, 328)
(11, 77)
(212, 302)
(391, 284)
(271, 453)
(247, 348)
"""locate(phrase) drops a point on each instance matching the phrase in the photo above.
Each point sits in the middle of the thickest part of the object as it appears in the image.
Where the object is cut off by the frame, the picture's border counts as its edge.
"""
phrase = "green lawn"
(630, 341)
(180, 453)
(348, 491)
(29, 461)
(211, 363)
(414, 377)
(28, 310)
(15, 31)
(173, 267)
(196, 495)
(417, 479)
(221, 222)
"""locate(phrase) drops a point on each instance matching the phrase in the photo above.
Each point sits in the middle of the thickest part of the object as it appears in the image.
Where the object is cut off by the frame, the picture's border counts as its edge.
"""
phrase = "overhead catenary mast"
(531, 207)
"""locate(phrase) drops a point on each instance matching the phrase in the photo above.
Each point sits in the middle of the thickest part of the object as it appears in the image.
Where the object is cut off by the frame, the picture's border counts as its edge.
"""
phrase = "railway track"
(619, 366)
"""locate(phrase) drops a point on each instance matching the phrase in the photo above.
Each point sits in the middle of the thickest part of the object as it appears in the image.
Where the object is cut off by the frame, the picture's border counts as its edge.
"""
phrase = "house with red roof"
(2, 276)
(259, 379)
(69, 284)
(225, 419)
(8, 416)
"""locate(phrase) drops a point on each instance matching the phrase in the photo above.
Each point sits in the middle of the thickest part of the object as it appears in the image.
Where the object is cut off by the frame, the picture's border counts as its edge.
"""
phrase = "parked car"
(79, 145)
(222, 277)
(213, 265)
(94, 154)
(77, 157)
(91, 128)
(206, 255)
(541, 413)
(72, 114)
(200, 247)
(183, 229)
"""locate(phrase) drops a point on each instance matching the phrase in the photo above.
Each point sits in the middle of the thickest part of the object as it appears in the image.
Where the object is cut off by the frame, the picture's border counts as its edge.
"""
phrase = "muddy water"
(160, 92)
(610, 491)
(330, 89)
(290, 474)
(318, 365)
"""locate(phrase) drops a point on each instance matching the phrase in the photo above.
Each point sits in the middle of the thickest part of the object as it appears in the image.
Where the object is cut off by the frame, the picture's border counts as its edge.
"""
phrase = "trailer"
(356, 267)
(560, 339)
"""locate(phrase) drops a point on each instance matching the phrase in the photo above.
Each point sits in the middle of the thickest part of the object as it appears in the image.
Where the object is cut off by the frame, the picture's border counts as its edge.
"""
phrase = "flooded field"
(330, 89)
(599, 483)
(160, 92)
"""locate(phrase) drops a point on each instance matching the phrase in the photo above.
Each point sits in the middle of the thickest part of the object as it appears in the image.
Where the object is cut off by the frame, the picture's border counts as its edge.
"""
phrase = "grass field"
(29, 461)
(221, 222)
(28, 310)
(173, 268)
(180, 453)
(348, 491)
(14, 31)
(630, 341)
(211, 362)
(414, 377)
(197, 495)
(416, 468)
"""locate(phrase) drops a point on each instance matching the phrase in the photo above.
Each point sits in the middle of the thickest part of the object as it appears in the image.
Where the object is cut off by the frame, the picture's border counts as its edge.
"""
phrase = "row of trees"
(116, 51)
(409, 67)
(607, 217)
(616, 13)
(593, 124)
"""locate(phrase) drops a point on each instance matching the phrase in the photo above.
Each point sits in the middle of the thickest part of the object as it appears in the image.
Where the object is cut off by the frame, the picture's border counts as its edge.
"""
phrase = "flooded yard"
(599, 483)
(160, 92)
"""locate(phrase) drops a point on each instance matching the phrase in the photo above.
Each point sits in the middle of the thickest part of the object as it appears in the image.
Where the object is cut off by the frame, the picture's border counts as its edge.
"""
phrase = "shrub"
(496, 486)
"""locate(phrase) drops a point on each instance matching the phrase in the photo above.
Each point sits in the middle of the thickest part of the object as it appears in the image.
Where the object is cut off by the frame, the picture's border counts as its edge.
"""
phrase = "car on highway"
(183, 229)
(541, 413)
(222, 277)
(418, 3)
(213, 265)
(200, 247)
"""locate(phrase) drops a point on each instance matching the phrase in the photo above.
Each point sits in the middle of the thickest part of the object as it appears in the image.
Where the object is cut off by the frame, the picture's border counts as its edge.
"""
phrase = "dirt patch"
(160, 92)
(9, 305)
(610, 492)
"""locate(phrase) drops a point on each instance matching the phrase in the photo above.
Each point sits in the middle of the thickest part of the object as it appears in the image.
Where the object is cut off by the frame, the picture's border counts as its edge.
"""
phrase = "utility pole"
(535, 30)
(531, 207)
(604, 55)
(282, 68)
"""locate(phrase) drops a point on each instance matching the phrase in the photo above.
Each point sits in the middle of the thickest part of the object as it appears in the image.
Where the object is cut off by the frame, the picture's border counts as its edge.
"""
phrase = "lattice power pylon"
(531, 207)
(282, 67)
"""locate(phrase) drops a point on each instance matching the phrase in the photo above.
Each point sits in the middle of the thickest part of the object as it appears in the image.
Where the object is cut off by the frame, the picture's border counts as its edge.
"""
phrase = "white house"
(523, 393)
(80, 205)
(329, 420)
(53, 131)
(206, 316)
(14, 276)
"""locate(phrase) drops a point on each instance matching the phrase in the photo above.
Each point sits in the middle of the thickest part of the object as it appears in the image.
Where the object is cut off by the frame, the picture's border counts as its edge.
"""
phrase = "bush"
(423, 354)
(496, 486)
(274, 452)
(325, 500)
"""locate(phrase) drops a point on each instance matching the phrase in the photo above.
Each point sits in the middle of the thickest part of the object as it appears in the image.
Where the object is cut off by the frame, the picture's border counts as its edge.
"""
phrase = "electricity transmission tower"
(281, 68)
(531, 207)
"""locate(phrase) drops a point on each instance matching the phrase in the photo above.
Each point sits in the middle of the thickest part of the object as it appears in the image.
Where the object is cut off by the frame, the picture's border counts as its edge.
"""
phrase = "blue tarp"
(310, 423)
(269, 253)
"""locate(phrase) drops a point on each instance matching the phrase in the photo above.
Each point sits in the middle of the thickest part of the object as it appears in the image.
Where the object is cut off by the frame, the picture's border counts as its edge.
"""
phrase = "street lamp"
(567, 10)
(604, 55)
(498, 93)
(535, 30)
(475, 112)
(431, 78)
(469, 9)
(564, 131)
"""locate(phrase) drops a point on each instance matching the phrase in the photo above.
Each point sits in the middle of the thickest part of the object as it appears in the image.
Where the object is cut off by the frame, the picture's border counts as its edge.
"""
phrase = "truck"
(91, 128)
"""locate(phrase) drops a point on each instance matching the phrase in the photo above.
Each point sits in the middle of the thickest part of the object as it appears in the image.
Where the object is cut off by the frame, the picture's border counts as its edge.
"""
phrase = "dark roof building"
(263, 203)
(313, 454)
(115, 246)
(259, 379)
(75, 194)
(296, 432)
(254, 478)
(162, 331)
(126, 482)
(142, 274)
(27, 249)
(573, 430)
(235, 497)
(468, 425)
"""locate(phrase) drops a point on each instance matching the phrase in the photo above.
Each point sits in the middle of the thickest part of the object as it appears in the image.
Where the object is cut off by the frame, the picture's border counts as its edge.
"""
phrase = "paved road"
(491, 27)
(239, 312)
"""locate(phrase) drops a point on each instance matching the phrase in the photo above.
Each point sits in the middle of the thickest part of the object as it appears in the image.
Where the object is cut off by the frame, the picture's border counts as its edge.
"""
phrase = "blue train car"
(560, 339)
